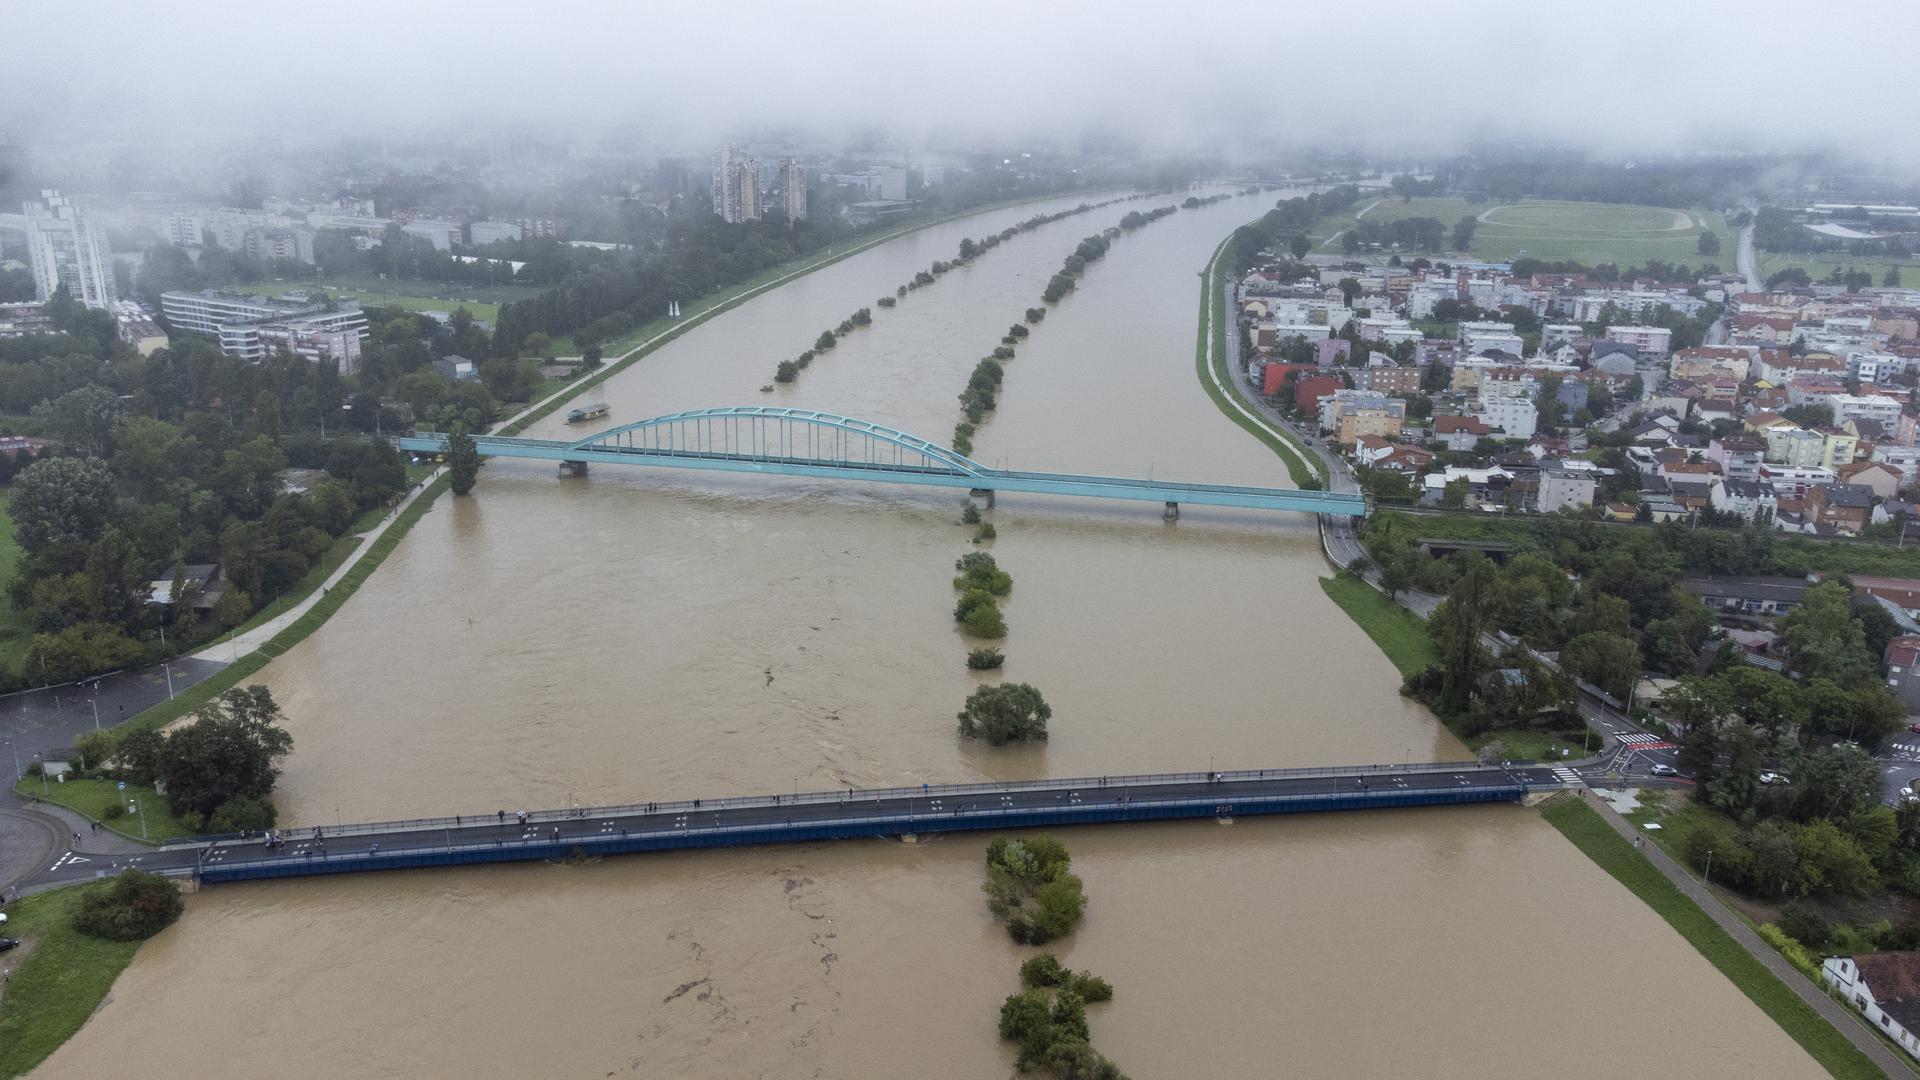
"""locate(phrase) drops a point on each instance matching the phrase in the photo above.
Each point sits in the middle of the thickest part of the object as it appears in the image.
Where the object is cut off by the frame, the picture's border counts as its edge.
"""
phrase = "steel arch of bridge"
(802, 442)
(772, 434)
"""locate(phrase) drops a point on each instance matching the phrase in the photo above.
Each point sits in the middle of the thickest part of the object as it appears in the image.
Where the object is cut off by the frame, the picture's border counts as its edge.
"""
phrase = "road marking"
(1640, 740)
(69, 859)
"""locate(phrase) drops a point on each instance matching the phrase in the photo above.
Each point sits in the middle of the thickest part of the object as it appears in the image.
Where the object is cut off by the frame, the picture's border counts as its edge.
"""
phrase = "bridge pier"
(981, 497)
(1172, 512)
(573, 468)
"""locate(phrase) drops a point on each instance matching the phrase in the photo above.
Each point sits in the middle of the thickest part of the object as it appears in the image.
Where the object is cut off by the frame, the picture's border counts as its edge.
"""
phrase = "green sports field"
(1823, 264)
(1583, 232)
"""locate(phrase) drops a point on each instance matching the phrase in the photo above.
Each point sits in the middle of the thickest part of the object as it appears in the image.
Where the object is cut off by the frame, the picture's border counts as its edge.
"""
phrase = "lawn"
(1589, 832)
(1825, 263)
(58, 983)
(1583, 232)
(94, 797)
(1400, 633)
(16, 632)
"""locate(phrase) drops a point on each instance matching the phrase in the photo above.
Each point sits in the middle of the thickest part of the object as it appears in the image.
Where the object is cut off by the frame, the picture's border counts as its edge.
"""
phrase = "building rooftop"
(1788, 590)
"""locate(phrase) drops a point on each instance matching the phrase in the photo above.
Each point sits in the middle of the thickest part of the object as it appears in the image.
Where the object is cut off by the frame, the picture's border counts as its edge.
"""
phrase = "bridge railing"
(977, 817)
(926, 791)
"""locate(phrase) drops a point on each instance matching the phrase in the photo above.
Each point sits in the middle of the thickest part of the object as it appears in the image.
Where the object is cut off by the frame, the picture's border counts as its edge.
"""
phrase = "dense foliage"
(1030, 885)
(135, 907)
(173, 459)
(1005, 713)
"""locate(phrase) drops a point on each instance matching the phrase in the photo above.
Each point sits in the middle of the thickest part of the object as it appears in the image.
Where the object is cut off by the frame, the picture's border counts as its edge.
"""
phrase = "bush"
(970, 515)
(1003, 352)
(985, 659)
(985, 622)
(888, 301)
(985, 532)
(242, 813)
(135, 907)
(1091, 987)
(1035, 314)
(979, 571)
(1805, 925)
(1043, 970)
(971, 601)
(1790, 950)
(114, 811)
(786, 372)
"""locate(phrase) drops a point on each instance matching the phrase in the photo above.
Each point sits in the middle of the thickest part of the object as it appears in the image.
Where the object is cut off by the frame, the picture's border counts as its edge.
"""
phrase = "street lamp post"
(96, 706)
(142, 811)
(169, 668)
(1707, 874)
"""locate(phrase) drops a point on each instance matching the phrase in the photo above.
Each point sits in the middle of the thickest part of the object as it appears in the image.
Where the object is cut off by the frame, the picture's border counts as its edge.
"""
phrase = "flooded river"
(651, 635)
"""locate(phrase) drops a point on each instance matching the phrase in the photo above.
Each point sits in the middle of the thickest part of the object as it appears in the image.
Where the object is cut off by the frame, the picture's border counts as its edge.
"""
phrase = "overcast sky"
(1624, 76)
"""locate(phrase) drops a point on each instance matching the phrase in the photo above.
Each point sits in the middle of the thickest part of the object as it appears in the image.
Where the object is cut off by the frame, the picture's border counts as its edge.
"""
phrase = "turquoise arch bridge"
(803, 442)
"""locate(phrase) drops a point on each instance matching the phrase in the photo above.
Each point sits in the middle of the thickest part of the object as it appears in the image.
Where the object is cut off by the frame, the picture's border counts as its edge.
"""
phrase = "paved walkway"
(1844, 1020)
(241, 644)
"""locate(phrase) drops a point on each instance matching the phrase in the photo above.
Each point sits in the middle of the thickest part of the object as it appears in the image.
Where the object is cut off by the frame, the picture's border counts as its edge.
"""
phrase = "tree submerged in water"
(1006, 713)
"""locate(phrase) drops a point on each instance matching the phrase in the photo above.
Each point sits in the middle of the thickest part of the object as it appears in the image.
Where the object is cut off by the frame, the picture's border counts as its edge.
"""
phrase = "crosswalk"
(1566, 775)
(1906, 748)
(1640, 740)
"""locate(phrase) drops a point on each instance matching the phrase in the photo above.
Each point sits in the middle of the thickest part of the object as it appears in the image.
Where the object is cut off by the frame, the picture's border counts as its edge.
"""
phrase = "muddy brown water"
(653, 635)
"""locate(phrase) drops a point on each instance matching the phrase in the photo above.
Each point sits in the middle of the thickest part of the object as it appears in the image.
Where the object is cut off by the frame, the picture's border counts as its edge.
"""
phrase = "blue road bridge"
(801, 442)
(499, 836)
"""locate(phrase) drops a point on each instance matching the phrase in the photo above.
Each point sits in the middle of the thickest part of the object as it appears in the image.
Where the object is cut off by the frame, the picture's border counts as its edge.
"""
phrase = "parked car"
(1665, 770)
(1773, 778)
(7, 943)
(1915, 728)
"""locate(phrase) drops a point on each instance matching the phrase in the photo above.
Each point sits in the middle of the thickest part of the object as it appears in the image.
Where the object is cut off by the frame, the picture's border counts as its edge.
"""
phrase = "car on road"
(1915, 728)
(1773, 778)
(1664, 770)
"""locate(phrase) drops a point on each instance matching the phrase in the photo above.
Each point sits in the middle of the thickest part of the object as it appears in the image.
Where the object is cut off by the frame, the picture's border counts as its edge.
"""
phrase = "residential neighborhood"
(1470, 386)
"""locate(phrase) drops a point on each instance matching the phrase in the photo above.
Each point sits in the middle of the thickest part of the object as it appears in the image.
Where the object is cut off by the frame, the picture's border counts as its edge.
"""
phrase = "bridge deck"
(1103, 487)
(763, 819)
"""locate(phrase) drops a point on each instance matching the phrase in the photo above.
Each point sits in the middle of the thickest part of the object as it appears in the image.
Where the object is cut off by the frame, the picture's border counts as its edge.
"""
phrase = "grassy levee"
(1293, 454)
(1401, 634)
(168, 711)
(1582, 825)
(60, 981)
(643, 341)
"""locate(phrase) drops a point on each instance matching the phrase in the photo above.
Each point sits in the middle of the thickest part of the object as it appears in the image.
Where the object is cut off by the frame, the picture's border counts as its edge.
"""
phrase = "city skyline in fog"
(1240, 78)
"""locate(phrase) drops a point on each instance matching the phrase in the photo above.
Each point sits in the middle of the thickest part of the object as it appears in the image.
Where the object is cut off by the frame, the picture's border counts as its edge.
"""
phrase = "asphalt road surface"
(904, 809)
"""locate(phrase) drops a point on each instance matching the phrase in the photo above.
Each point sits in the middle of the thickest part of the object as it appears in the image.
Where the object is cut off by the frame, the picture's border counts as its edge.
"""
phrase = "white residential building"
(492, 232)
(1478, 337)
(66, 247)
(735, 185)
(1650, 340)
(1515, 416)
(1876, 407)
(1563, 488)
(249, 327)
(1880, 986)
(793, 189)
(1792, 481)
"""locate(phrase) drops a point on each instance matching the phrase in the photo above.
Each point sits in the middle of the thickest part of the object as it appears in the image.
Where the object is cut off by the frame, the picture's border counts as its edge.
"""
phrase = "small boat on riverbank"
(587, 412)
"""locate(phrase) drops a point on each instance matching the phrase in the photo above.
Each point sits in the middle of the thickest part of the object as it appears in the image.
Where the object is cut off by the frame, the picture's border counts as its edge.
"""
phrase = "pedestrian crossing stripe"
(1566, 776)
(1637, 738)
(1907, 747)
